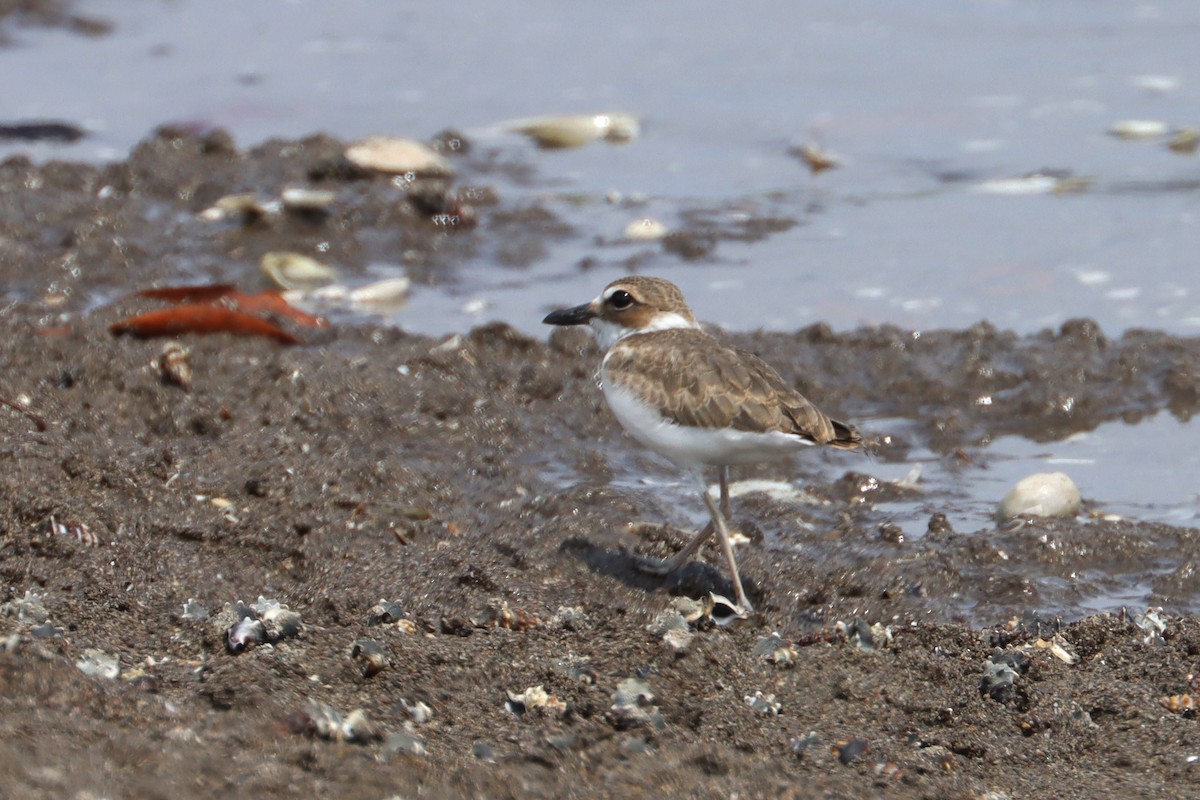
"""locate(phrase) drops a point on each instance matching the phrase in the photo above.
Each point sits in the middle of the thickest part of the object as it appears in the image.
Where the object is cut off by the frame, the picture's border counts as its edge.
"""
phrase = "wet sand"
(479, 483)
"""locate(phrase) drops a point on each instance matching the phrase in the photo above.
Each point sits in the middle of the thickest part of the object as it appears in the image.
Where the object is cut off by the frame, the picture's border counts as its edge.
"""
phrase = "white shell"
(645, 230)
(578, 130)
(397, 156)
(296, 270)
(1043, 494)
(1138, 129)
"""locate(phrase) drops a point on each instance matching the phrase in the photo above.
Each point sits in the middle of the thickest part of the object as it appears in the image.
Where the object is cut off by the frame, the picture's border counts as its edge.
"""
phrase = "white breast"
(689, 447)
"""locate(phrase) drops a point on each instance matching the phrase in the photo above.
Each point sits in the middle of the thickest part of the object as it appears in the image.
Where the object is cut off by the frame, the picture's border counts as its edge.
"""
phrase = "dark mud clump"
(456, 510)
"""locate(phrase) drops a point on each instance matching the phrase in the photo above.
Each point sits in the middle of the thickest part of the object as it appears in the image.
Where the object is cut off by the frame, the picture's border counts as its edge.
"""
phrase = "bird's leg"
(667, 566)
(727, 549)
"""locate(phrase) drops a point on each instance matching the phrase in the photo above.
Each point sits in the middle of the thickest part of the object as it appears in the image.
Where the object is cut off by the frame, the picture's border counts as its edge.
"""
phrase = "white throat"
(608, 333)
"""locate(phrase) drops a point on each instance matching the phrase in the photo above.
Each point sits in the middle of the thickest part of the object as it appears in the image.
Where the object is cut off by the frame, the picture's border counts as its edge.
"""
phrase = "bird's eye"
(620, 300)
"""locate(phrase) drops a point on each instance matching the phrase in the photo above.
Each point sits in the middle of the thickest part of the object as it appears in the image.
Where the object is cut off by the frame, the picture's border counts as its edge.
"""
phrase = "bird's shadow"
(692, 579)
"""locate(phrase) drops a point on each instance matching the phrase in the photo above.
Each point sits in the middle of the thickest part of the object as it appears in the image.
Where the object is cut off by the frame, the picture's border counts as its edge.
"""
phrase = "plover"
(697, 401)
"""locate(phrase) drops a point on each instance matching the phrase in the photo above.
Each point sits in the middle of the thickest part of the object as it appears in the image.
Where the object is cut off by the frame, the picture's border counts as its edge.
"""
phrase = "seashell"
(1184, 141)
(1034, 183)
(569, 618)
(174, 365)
(99, 664)
(370, 656)
(560, 132)
(305, 201)
(389, 292)
(245, 634)
(193, 611)
(645, 230)
(678, 641)
(403, 742)
(633, 705)
(420, 712)
(71, 529)
(1133, 129)
(279, 621)
(775, 650)
(535, 697)
(397, 156)
(667, 621)
(694, 612)
(505, 616)
(325, 722)
(1043, 494)
(725, 611)
(295, 270)
(385, 612)
(357, 727)
(1057, 648)
(26, 609)
(247, 207)
(764, 704)
(1186, 704)
(1000, 673)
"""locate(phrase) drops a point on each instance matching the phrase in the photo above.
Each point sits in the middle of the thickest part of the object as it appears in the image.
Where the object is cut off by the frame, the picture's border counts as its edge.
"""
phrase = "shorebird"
(699, 402)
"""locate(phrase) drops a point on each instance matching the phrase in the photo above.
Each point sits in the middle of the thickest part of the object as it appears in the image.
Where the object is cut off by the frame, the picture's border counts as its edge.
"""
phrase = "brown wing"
(711, 385)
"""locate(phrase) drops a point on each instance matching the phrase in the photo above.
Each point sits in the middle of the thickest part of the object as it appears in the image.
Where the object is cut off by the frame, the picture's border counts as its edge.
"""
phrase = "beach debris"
(20, 406)
(1059, 648)
(370, 657)
(1153, 623)
(1134, 129)
(1043, 494)
(215, 308)
(815, 158)
(800, 745)
(390, 612)
(382, 296)
(1000, 673)
(193, 611)
(1055, 182)
(764, 704)
(398, 156)
(774, 649)
(306, 202)
(246, 207)
(296, 270)
(577, 130)
(403, 743)
(502, 615)
(248, 626)
(1187, 705)
(633, 706)
(645, 230)
(75, 530)
(571, 618)
(325, 722)
(849, 750)
(419, 712)
(864, 635)
(29, 608)
(99, 664)
(1184, 141)
(535, 698)
(174, 365)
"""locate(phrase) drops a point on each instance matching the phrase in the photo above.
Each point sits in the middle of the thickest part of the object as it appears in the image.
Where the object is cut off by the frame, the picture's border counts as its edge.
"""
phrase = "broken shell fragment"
(296, 271)
(175, 366)
(764, 704)
(645, 230)
(816, 159)
(279, 621)
(1133, 129)
(193, 611)
(307, 202)
(725, 611)
(247, 207)
(99, 664)
(385, 612)
(633, 706)
(775, 650)
(245, 634)
(389, 292)
(1058, 648)
(1184, 141)
(325, 722)
(560, 132)
(534, 698)
(370, 657)
(397, 156)
(1043, 494)
(72, 529)
(1186, 704)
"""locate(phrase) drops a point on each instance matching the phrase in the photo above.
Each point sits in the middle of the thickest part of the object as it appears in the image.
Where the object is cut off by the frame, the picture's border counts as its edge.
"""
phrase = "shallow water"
(923, 103)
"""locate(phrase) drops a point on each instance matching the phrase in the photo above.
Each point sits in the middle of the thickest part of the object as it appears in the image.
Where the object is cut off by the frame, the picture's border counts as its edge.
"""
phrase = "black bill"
(579, 315)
